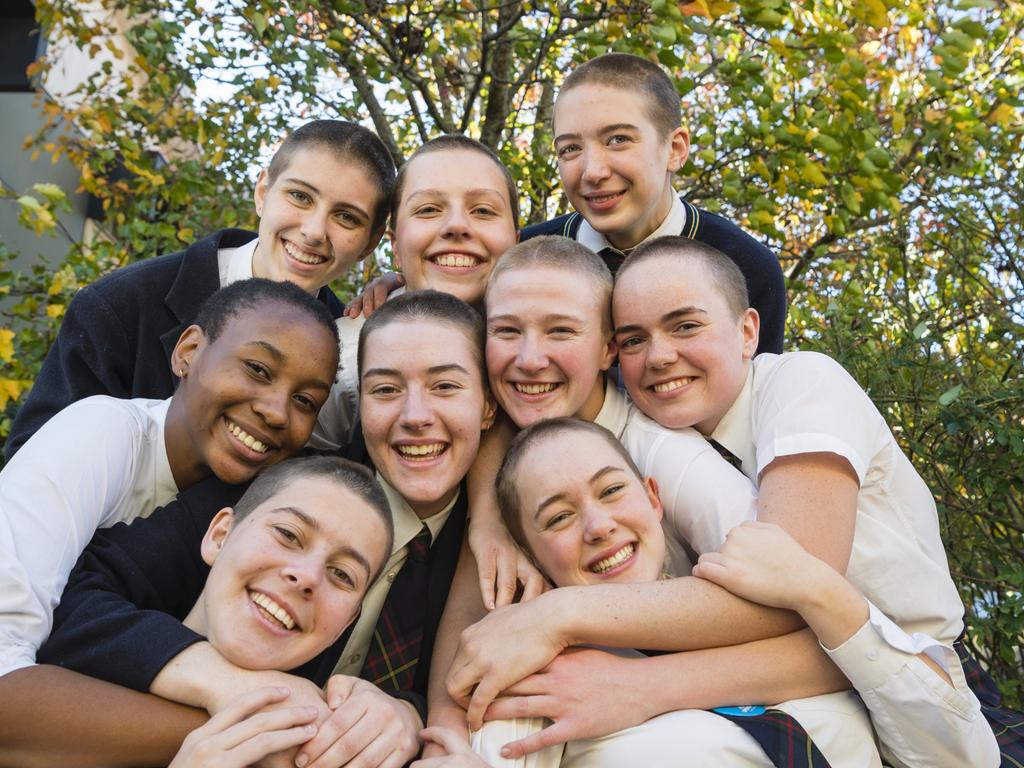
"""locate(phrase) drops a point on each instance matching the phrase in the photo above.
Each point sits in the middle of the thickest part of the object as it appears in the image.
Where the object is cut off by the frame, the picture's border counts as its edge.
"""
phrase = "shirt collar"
(673, 224)
(166, 487)
(734, 430)
(236, 263)
(407, 523)
(614, 410)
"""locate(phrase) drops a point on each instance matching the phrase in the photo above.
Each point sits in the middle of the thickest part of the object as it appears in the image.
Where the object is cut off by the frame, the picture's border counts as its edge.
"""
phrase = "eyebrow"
(603, 130)
(314, 190)
(280, 356)
(675, 314)
(468, 193)
(554, 316)
(434, 369)
(314, 524)
(561, 496)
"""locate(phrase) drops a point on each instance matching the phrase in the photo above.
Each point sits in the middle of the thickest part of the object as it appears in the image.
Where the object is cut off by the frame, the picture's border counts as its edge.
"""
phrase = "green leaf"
(950, 395)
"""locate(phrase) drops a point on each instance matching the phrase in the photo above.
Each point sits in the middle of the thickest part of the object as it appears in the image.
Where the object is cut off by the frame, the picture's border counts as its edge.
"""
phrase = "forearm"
(682, 614)
(462, 609)
(54, 717)
(762, 672)
(200, 677)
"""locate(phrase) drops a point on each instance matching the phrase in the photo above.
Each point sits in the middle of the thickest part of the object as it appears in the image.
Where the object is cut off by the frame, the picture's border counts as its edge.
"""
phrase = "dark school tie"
(398, 636)
(1006, 724)
(613, 257)
(726, 454)
(782, 738)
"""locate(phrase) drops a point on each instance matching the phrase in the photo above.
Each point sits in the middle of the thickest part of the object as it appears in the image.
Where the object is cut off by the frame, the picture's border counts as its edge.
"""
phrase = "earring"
(181, 373)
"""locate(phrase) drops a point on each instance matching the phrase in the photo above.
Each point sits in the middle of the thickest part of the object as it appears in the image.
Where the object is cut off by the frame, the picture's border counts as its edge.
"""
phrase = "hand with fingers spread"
(573, 692)
(241, 734)
(502, 648)
(374, 294)
(456, 750)
(367, 729)
(502, 565)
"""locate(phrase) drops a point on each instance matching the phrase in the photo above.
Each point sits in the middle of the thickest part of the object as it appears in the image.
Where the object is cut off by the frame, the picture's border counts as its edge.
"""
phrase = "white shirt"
(407, 526)
(672, 224)
(100, 461)
(803, 402)
(234, 264)
(921, 721)
(704, 497)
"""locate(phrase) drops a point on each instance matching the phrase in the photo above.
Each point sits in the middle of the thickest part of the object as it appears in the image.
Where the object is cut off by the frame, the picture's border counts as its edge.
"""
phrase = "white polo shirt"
(100, 461)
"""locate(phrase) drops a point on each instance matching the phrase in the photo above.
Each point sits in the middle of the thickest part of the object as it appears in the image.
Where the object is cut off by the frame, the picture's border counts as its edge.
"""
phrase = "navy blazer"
(766, 285)
(118, 333)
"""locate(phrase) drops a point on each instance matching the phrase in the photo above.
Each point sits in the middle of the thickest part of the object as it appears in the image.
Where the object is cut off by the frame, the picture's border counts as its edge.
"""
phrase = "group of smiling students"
(637, 456)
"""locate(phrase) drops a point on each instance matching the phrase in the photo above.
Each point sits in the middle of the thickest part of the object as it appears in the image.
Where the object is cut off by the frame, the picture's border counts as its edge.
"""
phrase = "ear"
(490, 411)
(750, 326)
(651, 485)
(679, 149)
(216, 534)
(191, 341)
(389, 233)
(259, 193)
(610, 353)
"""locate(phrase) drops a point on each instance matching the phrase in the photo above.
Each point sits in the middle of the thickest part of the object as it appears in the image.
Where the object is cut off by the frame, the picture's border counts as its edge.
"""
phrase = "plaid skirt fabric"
(1007, 725)
(782, 738)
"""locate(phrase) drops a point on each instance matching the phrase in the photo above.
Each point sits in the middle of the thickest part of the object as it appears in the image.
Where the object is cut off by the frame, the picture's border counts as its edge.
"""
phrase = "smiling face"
(683, 353)
(615, 166)
(423, 405)
(593, 521)
(249, 398)
(316, 219)
(289, 577)
(453, 222)
(547, 344)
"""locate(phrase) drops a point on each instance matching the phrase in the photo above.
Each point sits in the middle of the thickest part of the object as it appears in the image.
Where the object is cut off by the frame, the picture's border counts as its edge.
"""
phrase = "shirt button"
(355, 658)
(391, 576)
(872, 654)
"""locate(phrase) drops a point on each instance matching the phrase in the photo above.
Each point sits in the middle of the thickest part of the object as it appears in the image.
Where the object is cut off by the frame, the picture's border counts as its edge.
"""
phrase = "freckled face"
(250, 397)
(423, 405)
(316, 219)
(453, 223)
(547, 344)
(290, 577)
(593, 521)
(615, 166)
(683, 354)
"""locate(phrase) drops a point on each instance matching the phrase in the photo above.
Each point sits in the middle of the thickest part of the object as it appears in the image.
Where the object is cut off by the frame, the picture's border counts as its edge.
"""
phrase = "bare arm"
(574, 691)
(54, 717)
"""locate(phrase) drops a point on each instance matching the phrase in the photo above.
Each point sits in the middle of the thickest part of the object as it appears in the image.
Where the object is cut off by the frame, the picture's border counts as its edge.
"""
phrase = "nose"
(272, 406)
(595, 166)
(303, 573)
(314, 225)
(660, 352)
(531, 356)
(456, 223)
(598, 524)
(416, 410)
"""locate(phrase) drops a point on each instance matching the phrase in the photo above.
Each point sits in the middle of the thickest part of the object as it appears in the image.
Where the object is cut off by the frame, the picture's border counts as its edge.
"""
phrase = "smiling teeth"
(273, 610)
(668, 386)
(302, 256)
(454, 260)
(421, 451)
(534, 389)
(246, 439)
(601, 566)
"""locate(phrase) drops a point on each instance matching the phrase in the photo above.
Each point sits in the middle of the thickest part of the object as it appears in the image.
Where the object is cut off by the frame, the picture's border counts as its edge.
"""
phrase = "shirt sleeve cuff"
(16, 657)
(880, 648)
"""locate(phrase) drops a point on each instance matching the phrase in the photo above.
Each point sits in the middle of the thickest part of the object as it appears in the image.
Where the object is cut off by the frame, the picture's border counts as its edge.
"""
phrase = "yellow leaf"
(54, 311)
(813, 173)
(6, 345)
(11, 389)
(1002, 115)
(57, 284)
